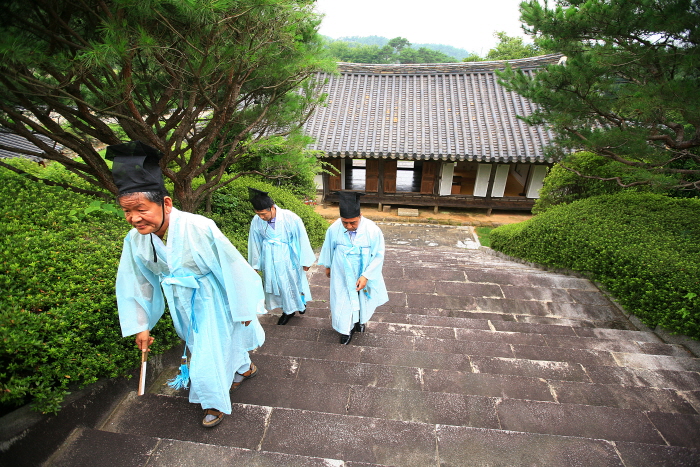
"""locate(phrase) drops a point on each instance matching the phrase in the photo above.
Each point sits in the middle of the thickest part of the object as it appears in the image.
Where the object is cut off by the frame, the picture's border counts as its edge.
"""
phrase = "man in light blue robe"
(213, 294)
(279, 246)
(353, 255)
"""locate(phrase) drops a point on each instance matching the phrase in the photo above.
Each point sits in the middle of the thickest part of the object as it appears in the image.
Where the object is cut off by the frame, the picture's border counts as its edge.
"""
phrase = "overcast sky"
(467, 24)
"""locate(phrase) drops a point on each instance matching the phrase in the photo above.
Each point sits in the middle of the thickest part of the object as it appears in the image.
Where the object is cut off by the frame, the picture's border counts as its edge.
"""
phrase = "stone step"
(446, 373)
(491, 309)
(582, 435)
(459, 409)
(495, 321)
(498, 307)
(128, 450)
(503, 343)
(473, 403)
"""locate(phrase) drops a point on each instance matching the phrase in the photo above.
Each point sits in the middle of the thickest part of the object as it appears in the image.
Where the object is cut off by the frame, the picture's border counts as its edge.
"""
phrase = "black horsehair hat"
(135, 168)
(260, 199)
(349, 203)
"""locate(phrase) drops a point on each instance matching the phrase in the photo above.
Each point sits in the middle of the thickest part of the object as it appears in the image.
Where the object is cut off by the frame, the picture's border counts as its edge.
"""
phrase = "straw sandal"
(212, 422)
(247, 375)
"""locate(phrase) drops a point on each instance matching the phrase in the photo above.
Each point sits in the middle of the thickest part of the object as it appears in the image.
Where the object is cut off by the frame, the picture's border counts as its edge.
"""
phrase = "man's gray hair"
(157, 197)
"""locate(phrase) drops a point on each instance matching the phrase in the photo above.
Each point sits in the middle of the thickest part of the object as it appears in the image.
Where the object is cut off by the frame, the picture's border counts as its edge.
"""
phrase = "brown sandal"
(211, 423)
(247, 375)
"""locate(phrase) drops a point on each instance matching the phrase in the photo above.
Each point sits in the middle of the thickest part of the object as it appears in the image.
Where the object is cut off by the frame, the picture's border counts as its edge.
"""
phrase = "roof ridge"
(447, 68)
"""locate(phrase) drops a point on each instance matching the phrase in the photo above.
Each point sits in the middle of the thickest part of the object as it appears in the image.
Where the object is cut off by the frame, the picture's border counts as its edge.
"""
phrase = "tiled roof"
(11, 140)
(449, 111)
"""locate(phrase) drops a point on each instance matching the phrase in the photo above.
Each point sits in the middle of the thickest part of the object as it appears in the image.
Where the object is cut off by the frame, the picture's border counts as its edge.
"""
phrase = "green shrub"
(232, 211)
(59, 253)
(59, 328)
(562, 186)
(644, 248)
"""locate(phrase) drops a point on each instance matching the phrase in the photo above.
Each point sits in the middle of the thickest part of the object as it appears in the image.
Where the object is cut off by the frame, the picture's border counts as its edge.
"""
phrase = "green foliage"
(484, 234)
(562, 185)
(59, 328)
(628, 89)
(59, 253)
(286, 160)
(175, 74)
(379, 41)
(508, 48)
(232, 211)
(397, 50)
(642, 247)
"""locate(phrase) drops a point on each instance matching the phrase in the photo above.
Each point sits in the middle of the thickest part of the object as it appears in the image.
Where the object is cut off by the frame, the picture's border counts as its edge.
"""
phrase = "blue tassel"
(303, 299)
(182, 380)
(367, 293)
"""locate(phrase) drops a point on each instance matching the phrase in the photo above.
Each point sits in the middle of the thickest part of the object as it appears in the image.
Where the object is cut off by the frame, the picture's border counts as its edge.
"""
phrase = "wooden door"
(427, 180)
(390, 176)
(372, 175)
(334, 181)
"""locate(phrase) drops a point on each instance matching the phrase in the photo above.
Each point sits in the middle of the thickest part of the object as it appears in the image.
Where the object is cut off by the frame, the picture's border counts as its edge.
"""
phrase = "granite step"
(449, 397)
(560, 339)
(468, 410)
(569, 314)
(584, 435)
(128, 450)
(450, 373)
(478, 319)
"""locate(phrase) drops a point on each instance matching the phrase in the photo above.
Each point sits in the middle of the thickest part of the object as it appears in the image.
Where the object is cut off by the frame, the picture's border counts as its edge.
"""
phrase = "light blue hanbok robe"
(349, 259)
(281, 253)
(210, 290)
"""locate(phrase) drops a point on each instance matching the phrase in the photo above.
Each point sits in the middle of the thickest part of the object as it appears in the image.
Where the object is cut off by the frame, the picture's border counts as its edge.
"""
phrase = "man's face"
(146, 216)
(351, 224)
(267, 214)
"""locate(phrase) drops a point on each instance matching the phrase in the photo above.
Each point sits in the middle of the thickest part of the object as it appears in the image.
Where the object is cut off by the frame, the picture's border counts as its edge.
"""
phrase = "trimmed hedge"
(59, 329)
(644, 248)
(59, 253)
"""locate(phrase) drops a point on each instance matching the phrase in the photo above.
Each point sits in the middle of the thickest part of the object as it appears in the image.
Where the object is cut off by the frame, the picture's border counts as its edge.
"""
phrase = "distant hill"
(380, 41)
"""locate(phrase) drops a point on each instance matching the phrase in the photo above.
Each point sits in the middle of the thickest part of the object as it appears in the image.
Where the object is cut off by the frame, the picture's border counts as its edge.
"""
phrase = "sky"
(466, 24)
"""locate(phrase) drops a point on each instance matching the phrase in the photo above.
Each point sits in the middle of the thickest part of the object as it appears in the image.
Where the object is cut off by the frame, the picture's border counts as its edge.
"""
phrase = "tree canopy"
(628, 89)
(198, 80)
(508, 48)
(396, 50)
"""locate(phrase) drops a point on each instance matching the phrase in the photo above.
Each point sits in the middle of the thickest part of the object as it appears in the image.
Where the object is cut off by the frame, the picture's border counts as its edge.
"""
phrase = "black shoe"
(359, 327)
(284, 319)
(346, 338)
(301, 312)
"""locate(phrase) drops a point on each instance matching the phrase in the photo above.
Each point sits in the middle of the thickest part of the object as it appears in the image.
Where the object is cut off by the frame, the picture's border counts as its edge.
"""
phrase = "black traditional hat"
(260, 199)
(349, 202)
(135, 168)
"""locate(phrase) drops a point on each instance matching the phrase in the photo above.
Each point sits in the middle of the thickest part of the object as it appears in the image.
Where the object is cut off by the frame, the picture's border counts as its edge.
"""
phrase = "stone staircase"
(475, 360)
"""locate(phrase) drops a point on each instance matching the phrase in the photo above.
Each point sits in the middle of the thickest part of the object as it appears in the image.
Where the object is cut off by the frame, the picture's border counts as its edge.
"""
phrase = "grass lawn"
(484, 234)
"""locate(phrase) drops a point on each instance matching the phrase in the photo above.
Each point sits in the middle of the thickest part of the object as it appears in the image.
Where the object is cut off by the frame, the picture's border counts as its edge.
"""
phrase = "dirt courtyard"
(446, 216)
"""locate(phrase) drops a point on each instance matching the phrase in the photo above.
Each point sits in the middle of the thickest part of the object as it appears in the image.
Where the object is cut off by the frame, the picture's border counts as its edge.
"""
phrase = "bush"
(644, 248)
(232, 211)
(561, 186)
(59, 328)
(59, 253)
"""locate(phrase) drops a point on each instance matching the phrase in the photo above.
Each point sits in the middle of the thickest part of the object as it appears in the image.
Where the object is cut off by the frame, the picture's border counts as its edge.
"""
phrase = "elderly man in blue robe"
(213, 294)
(353, 255)
(279, 246)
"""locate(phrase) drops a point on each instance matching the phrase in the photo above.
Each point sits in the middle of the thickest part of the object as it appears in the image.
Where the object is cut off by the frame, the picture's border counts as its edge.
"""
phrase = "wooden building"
(442, 135)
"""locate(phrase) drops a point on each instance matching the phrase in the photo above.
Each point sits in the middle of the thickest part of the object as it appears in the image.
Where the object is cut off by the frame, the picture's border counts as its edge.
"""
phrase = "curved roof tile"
(449, 111)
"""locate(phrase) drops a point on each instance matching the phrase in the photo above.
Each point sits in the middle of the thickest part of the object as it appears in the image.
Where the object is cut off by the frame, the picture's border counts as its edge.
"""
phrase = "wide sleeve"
(242, 286)
(306, 253)
(254, 245)
(373, 271)
(139, 297)
(326, 257)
